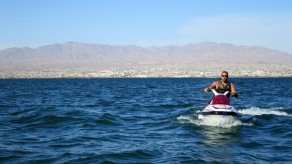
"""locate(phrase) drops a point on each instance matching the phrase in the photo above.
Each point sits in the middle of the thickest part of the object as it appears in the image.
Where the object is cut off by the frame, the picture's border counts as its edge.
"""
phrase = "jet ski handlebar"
(216, 93)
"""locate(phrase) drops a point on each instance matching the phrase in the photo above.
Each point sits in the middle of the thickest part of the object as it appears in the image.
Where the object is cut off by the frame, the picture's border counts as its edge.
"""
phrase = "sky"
(33, 23)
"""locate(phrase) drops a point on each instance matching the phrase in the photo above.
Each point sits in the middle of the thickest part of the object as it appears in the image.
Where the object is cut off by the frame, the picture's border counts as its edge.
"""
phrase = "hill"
(74, 54)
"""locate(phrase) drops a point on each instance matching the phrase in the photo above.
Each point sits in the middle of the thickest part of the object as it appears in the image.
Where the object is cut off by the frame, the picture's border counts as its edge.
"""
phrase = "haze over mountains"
(73, 54)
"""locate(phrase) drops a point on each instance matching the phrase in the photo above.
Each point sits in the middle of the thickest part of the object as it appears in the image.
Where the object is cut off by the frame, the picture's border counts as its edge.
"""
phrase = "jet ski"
(219, 111)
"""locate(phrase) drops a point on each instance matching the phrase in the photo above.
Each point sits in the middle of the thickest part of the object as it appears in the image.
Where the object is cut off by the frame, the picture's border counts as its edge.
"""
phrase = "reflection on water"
(219, 136)
(219, 142)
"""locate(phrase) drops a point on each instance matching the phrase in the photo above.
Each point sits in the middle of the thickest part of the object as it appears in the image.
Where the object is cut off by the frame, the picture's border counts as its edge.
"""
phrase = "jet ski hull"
(222, 113)
(216, 116)
(203, 114)
(218, 120)
(219, 111)
(223, 110)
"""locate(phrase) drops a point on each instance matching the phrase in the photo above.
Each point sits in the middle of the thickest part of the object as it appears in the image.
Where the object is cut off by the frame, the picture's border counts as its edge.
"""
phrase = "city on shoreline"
(154, 71)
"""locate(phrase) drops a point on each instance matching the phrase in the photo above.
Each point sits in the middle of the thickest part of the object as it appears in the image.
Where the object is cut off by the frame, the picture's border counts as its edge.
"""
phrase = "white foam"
(211, 121)
(259, 111)
(220, 121)
(186, 119)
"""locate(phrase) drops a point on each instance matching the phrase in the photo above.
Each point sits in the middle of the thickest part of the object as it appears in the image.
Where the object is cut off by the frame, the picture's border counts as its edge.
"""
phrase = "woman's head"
(224, 76)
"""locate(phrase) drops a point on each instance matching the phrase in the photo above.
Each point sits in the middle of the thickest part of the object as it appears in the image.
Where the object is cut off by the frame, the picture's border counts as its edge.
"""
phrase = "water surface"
(141, 121)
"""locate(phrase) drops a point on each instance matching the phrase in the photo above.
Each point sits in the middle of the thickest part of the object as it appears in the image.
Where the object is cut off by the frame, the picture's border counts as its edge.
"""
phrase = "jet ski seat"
(220, 99)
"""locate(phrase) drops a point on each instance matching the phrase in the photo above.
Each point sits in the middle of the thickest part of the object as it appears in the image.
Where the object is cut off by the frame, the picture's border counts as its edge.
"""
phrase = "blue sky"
(33, 23)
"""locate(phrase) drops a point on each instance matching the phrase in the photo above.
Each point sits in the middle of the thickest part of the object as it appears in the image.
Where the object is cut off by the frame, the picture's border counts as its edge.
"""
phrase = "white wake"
(255, 111)
(218, 121)
(221, 121)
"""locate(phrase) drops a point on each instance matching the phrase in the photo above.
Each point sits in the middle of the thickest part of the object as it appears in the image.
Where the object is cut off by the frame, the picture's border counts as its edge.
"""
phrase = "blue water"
(141, 121)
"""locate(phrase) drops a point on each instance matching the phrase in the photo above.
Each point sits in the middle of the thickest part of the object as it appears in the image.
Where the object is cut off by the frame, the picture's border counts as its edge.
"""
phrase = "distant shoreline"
(155, 71)
(143, 78)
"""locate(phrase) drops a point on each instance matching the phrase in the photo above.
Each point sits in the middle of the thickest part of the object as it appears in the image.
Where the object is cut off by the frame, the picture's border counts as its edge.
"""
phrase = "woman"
(223, 85)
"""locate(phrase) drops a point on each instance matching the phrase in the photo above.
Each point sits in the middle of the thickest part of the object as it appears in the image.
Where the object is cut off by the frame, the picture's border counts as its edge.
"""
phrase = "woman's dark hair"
(225, 72)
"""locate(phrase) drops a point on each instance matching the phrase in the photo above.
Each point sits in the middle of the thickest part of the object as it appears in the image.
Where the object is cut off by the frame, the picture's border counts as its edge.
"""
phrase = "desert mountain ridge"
(73, 54)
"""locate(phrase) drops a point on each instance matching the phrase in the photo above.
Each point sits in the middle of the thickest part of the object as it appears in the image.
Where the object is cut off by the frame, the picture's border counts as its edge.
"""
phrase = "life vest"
(222, 89)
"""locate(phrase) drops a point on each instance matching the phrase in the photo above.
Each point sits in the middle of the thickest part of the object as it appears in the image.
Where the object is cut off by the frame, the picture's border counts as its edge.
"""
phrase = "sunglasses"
(224, 75)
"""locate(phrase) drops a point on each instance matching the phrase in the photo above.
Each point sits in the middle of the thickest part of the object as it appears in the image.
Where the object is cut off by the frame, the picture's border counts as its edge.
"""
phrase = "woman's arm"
(214, 84)
(233, 90)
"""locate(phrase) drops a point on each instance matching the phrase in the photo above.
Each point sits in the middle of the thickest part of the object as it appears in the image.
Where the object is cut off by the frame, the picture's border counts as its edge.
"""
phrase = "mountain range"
(72, 54)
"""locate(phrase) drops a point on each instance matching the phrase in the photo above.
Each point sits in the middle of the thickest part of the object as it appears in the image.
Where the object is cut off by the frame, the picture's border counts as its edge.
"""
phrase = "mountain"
(73, 54)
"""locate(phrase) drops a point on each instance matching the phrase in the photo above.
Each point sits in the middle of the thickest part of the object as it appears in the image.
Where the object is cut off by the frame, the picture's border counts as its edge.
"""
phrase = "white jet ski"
(219, 111)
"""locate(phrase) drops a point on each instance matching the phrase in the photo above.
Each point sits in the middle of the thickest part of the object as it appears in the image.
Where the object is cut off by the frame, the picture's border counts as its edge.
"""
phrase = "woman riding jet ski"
(219, 107)
(223, 85)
